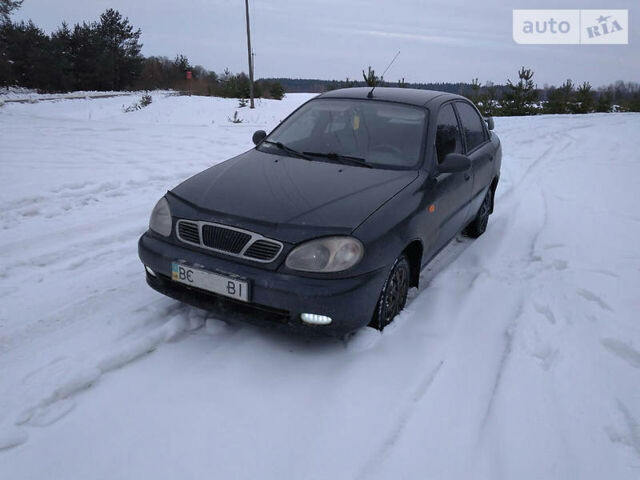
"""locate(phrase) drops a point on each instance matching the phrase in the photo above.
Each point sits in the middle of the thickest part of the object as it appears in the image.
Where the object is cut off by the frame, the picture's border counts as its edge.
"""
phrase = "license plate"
(212, 282)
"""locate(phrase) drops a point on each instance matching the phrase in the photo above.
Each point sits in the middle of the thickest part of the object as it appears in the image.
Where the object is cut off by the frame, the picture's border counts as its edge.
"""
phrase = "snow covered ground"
(518, 358)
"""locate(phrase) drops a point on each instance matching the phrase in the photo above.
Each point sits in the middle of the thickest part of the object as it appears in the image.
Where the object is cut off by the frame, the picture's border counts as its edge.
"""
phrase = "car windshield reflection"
(383, 134)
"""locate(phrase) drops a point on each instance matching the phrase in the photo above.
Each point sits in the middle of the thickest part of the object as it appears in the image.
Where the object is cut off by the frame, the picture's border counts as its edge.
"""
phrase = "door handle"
(491, 158)
(467, 177)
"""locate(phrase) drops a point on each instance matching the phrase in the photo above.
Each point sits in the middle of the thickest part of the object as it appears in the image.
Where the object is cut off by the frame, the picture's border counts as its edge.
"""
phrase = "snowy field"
(519, 358)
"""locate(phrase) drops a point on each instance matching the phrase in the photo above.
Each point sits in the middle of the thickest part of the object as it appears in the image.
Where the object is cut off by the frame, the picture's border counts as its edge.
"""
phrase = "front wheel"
(394, 294)
(479, 223)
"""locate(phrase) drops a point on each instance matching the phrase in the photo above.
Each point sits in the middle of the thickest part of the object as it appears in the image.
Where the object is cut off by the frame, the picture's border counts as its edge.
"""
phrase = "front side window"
(448, 138)
(386, 135)
(472, 125)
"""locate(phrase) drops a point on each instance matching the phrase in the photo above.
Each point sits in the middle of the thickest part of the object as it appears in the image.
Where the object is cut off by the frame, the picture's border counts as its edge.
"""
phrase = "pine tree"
(85, 55)
(605, 101)
(6, 7)
(181, 63)
(475, 91)
(179, 71)
(6, 68)
(276, 91)
(520, 97)
(585, 102)
(370, 78)
(120, 60)
(349, 83)
(633, 105)
(28, 53)
(561, 99)
(488, 102)
(63, 69)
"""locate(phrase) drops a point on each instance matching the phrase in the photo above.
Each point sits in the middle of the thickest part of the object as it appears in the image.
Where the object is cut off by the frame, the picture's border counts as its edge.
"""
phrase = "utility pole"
(246, 4)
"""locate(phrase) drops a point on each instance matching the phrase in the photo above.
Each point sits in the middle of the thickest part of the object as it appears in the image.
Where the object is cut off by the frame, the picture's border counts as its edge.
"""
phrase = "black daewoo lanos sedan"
(327, 222)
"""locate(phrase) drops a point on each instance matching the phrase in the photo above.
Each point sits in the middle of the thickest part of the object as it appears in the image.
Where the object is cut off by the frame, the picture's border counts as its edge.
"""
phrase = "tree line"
(522, 97)
(102, 55)
(164, 73)
(105, 55)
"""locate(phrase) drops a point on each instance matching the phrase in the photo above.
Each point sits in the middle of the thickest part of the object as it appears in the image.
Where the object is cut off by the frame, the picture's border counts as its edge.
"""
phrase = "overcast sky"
(439, 40)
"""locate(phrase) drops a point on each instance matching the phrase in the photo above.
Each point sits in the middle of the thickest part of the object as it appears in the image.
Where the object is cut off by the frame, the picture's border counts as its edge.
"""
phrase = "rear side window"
(448, 138)
(472, 125)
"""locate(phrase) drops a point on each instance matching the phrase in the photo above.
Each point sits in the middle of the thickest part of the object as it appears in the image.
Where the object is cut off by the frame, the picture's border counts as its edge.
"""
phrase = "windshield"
(381, 133)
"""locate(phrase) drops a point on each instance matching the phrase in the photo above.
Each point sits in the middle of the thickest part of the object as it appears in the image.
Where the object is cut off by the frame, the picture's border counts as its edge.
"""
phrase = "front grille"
(224, 239)
(229, 240)
(188, 231)
(262, 250)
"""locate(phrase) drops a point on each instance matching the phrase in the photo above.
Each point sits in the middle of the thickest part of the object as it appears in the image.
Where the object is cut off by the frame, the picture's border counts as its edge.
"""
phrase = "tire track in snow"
(67, 377)
(401, 419)
(539, 160)
(630, 434)
(622, 350)
(509, 209)
(408, 407)
(509, 334)
(82, 275)
(512, 327)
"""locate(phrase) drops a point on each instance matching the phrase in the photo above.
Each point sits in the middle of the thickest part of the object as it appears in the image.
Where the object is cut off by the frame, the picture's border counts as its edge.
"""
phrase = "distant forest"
(106, 55)
(521, 97)
(316, 85)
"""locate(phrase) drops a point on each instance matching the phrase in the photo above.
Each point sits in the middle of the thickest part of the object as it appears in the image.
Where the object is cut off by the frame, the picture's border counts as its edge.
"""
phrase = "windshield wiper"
(336, 156)
(289, 150)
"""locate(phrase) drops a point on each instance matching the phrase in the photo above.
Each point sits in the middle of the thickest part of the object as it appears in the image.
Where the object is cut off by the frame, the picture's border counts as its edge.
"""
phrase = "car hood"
(282, 191)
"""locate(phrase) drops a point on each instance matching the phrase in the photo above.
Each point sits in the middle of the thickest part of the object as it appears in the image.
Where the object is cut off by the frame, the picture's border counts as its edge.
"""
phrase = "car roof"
(410, 96)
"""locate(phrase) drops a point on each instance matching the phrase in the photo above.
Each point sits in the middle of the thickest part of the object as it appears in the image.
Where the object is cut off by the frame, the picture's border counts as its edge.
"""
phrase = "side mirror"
(454, 163)
(489, 121)
(259, 136)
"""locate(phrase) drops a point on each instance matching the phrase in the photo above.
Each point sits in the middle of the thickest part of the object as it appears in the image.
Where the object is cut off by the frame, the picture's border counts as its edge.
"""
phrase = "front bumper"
(276, 298)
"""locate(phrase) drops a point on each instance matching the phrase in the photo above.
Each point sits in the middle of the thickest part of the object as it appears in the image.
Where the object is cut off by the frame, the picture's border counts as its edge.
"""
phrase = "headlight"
(160, 221)
(329, 254)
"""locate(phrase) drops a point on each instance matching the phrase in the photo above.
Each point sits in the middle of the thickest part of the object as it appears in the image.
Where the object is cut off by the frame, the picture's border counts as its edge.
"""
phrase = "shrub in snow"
(276, 91)
(145, 101)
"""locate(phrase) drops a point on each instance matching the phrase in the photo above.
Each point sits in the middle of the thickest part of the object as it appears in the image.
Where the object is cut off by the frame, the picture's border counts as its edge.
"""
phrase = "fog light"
(149, 271)
(315, 319)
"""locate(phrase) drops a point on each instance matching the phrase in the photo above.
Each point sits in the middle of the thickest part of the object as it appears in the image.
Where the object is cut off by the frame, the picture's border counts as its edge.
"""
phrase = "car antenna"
(370, 94)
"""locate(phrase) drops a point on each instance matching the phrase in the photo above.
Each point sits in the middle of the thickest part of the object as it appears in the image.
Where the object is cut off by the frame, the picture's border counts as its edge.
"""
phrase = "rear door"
(452, 191)
(479, 149)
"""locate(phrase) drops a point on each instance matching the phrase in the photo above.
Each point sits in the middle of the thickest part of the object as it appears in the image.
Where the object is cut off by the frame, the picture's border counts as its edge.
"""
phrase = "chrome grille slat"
(231, 241)
(189, 231)
(262, 250)
(224, 239)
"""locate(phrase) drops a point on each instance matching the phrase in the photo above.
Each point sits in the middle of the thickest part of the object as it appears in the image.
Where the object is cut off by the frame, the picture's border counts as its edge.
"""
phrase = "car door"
(452, 191)
(479, 149)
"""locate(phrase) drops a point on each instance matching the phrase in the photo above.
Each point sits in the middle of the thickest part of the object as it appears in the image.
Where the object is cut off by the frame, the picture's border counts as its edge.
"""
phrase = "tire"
(479, 224)
(394, 294)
